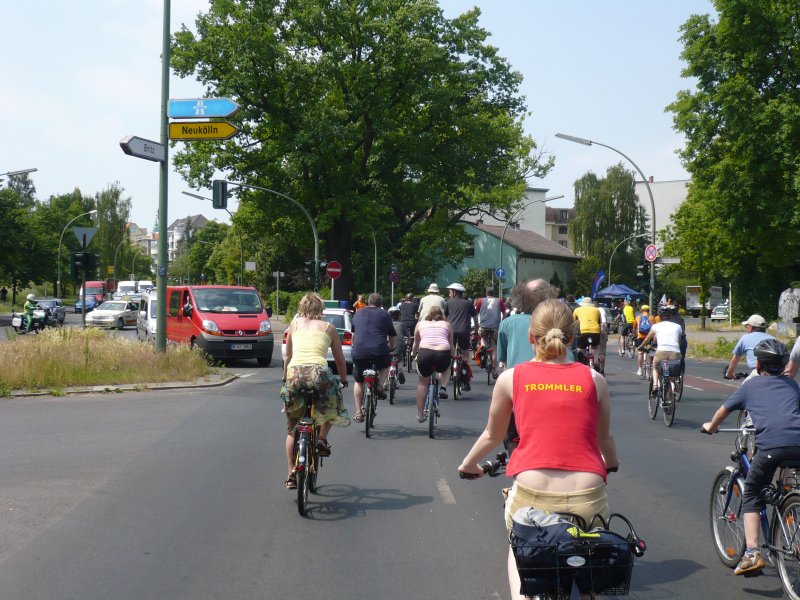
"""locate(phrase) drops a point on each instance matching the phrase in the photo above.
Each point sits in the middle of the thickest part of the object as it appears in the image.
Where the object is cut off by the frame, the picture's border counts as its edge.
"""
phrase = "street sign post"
(650, 252)
(198, 108)
(277, 275)
(142, 148)
(201, 130)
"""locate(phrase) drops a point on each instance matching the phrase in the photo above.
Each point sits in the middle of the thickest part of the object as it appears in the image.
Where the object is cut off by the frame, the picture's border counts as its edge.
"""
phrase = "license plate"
(241, 346)
(16, 322)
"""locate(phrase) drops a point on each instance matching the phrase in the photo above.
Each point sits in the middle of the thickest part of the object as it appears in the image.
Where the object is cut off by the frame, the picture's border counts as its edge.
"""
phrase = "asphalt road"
(180, 494)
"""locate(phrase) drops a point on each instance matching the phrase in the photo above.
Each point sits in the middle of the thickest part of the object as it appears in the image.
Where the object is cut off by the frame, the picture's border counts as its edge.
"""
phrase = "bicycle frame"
(431, 410)
(306, 459)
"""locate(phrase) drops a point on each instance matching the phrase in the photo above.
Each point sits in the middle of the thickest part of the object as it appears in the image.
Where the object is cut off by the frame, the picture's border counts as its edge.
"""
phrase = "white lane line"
(444, 492)
(691, 387)
(246, 375)
(716, 381)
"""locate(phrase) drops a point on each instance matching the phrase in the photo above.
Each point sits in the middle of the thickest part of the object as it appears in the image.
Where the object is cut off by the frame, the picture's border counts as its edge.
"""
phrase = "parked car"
(91, 304)
(720, 313)
(341, 319)
(146, 321)
(114, 313)
(58, 312)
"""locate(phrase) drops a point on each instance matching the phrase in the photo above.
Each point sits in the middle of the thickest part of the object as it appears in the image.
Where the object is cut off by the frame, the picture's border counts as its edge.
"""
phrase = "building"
(557, 222)
(531, 217)
(177, 231)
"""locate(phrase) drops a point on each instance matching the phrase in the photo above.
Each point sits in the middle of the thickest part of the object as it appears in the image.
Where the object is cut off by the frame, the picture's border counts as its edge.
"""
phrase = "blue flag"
(598, 278)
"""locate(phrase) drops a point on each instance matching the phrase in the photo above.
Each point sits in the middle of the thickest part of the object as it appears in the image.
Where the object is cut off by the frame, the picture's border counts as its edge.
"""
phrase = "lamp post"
(638, 235)
(503, 237)
(238, 233)
(115, 259)
(585, 142)
(10, 174)
(91, 212)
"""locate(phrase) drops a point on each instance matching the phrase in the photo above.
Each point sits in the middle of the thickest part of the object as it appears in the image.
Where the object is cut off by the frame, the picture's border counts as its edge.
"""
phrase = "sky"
(78, 77)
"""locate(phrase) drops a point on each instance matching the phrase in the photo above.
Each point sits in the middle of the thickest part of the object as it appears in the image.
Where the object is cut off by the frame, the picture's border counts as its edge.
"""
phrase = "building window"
(562, 229)
(469, 250)
(563, 215)
(563, 243)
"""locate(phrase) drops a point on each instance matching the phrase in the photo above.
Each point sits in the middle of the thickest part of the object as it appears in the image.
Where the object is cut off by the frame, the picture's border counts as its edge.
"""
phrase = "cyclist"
(307, 341)
(676, 317)
(588, 317)
(773, 403)
(459, 312)
(756, 332)
(374, 340)
(409, 308)
(627, 322)
(641, 327)
(667, 335)
(490, 313)
(433, 346)
(563, 414)
(432, 299)
(394, 313)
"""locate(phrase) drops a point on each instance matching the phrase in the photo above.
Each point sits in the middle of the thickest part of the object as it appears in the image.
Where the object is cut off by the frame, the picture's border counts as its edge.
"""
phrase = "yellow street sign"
(201, 130)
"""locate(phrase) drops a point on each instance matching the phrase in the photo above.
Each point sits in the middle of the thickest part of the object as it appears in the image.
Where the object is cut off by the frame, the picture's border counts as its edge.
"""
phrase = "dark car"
(58, 311)
(91, 304)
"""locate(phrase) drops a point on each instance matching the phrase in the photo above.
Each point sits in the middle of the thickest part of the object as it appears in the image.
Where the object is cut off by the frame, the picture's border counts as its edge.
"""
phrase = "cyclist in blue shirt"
(773, 403)
(756, 332)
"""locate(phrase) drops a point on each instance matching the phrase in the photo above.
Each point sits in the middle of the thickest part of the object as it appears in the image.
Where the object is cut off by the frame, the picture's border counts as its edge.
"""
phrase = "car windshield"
(47, 303)
(335, 320)
(222, 300)
(126, 289)
(98, 291)
(113, 306)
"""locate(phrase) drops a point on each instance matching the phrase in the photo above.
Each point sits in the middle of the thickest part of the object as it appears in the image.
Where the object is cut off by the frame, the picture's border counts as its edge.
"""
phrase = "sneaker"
(465, 386)
(442, 393)
(750, 563)
(621, 352)
(639, 371)
(422, 418)
(401, 378)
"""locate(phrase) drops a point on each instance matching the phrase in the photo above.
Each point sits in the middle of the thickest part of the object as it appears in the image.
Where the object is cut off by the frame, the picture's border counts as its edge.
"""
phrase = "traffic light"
(219, 193)
(76, 265)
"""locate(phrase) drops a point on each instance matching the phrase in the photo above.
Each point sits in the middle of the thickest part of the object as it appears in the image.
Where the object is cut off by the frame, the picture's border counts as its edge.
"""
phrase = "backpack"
(644, 324)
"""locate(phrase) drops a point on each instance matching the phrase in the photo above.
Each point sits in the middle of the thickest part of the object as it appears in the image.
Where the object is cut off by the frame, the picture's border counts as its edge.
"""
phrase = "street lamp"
(585, 142)
(15, 173)
(638, 235)
(115, 259)
(503, 237)
(91, 212)
(241, 245)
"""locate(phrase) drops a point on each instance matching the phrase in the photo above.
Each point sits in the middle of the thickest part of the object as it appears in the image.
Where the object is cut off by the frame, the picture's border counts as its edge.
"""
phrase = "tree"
(113, 214)
(607, 212)
(742, 125)
(380, 117)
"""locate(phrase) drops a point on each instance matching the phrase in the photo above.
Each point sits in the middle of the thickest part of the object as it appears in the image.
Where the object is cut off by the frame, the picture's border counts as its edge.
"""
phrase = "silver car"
(339, 318)
(58, 311)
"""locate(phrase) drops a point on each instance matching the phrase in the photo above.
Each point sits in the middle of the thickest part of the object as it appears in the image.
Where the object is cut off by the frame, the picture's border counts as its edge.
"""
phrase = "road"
(180, 494)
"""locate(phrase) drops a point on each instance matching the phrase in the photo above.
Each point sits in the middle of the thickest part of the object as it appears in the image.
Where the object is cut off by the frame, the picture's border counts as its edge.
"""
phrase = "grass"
(721, 349)
(73, 357)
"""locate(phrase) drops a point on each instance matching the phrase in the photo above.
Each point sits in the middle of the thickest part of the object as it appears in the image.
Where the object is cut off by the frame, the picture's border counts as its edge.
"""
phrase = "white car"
(720, 313)
(114, 313)
(339, 318)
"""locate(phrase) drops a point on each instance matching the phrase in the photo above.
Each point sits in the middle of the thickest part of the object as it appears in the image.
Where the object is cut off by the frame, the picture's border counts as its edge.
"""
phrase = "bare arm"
(712, 426)
(496, 427)
(288, 358)
(338, 355)
(415, 348)
(732, 366)
(605, 439)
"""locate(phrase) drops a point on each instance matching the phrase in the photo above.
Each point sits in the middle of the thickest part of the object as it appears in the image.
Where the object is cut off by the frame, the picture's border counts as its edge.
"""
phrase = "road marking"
(444, 492)
(691, 387)
(718, 382)
(246, 375)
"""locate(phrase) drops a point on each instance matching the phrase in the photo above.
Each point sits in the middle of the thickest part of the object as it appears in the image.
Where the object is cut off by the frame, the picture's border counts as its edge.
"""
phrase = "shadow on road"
(339, 502)
(442, 432)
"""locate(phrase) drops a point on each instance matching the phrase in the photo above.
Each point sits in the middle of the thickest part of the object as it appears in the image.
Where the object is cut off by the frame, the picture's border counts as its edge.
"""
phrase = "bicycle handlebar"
(489, 467)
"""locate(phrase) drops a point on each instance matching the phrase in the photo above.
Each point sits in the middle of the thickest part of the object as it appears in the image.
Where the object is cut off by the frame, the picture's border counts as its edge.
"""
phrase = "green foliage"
(279, 306)
(385, 120)
(476, 281)
(721, 349)
(742, 125)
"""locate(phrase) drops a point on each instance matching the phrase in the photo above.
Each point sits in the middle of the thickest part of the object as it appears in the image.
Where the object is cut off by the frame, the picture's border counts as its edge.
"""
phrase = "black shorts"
(428, 360)
(626, 328)
(583, 340)
(461, 339)
(762, 470)
(362, 364)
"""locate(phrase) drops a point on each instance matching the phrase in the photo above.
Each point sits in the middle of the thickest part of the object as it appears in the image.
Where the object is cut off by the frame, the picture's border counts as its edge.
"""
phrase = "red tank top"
(555, 408)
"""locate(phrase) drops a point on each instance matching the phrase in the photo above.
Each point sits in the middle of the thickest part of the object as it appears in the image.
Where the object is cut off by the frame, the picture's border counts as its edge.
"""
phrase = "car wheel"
(120, 323)
(264, 361)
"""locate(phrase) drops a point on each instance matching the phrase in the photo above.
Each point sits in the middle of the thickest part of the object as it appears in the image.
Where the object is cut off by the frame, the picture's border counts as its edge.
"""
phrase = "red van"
(223, 321)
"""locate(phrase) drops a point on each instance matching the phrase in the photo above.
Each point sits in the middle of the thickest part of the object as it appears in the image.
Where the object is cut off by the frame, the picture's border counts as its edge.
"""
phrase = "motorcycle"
(41, 320)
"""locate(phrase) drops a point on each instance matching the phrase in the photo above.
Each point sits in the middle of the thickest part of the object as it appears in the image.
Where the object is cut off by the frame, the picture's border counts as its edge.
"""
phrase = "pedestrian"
(359, 303)
(3, 294)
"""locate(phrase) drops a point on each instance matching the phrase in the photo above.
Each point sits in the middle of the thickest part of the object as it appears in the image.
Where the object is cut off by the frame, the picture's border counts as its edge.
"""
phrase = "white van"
(146, 321)
(126, 290)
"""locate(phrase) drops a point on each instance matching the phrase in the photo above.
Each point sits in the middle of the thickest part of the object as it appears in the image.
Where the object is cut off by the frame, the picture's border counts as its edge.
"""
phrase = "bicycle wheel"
(392, 388)
(367, 407)
(786, 537)
(302, 474)
(679, 388)
(747, 440)
(727, 524)
(455, 377)
(313, 467)
(668, 398)
(652, 401)
(489, 367)
(433, 392)
(630, 349)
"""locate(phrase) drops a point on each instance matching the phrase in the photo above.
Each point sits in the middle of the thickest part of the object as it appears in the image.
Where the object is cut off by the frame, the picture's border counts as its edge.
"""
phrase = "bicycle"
(395, 378)
(743, 418)
(586, 355)
(665, 394)
(307, 460)
(431, 409)
(369, 404)
(458, 373)
(630, 346)
(647, 363)
(408, 359)
(781, 528)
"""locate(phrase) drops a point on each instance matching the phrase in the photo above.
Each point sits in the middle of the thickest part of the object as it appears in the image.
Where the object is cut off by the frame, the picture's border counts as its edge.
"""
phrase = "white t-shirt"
(668, 336)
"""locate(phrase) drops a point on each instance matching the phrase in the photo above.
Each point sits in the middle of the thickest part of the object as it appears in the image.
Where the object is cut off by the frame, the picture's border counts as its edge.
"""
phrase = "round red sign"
(334, 269)
(651, 252)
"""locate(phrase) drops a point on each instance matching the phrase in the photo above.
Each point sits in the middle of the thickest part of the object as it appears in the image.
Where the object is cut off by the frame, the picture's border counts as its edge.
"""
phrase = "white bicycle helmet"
(457, 287)
(30, 297)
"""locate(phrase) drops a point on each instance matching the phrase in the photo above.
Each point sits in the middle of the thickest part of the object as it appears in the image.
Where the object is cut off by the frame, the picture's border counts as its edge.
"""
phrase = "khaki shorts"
(584, 503)
(665, 355)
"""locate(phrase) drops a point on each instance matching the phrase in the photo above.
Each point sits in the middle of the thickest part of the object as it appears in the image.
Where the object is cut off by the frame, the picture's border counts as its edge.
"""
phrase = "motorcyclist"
(29, 307)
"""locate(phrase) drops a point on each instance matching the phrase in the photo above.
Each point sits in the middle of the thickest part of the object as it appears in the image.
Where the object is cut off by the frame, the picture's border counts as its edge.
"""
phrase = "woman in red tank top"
(563, 415)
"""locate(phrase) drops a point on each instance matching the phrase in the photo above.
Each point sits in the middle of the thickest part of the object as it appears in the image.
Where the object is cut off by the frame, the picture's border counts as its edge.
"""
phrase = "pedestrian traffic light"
(219, 193)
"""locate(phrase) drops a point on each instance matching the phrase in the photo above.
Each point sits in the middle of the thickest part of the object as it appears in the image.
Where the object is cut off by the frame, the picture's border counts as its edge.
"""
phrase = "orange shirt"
(359, 305)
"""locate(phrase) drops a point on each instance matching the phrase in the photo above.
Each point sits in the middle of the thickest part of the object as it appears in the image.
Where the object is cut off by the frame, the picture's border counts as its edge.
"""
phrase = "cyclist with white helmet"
(460, 312)
(29, 307)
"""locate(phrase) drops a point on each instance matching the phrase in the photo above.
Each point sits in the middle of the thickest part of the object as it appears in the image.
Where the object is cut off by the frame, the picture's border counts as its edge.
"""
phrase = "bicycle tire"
(456, 376)
(630, 349)
(668, 397)
(652, 402)
(433, 394)
(788, 543)
(727, 524)
(679, 388)
(367, 408)
(302, 475)
(392, 388)
(489, 367)
(313, 468)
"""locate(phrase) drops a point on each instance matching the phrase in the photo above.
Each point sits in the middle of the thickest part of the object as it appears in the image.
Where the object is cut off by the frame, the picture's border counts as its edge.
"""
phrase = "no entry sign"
(334, 269)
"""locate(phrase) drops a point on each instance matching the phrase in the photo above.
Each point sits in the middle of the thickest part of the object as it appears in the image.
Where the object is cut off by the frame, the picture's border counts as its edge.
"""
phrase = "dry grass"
(71, 356)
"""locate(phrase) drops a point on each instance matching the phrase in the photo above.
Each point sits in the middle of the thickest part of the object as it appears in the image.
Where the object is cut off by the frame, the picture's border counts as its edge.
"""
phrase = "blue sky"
(80, 76)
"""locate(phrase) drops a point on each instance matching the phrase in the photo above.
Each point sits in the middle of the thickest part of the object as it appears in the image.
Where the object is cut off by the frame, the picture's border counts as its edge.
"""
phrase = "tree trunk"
(338, 246)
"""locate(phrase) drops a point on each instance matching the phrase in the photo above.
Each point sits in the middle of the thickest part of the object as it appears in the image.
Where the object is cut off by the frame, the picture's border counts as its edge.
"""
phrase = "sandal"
(291, 481)
(323, 447)
(442, 393)
(359, 417)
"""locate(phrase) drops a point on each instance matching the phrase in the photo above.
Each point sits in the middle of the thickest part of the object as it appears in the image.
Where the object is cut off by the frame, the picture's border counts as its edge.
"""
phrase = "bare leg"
(752, 523)
(290, 452)
(324, 429)
(422, 390)
(444, 377)
(513, 577)
(358, 395)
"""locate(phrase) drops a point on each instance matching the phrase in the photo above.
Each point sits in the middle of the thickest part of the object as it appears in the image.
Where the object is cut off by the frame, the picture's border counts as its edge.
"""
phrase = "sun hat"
(433, 289)
(457, 287)
(586, 300)
(755, 321)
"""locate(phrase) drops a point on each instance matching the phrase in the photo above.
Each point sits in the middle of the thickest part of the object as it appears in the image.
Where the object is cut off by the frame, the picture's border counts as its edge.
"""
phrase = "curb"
(130, 387)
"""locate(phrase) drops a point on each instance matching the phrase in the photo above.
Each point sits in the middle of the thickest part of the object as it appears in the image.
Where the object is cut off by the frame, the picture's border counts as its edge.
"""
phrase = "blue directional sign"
(500, 272)
(198, 108)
